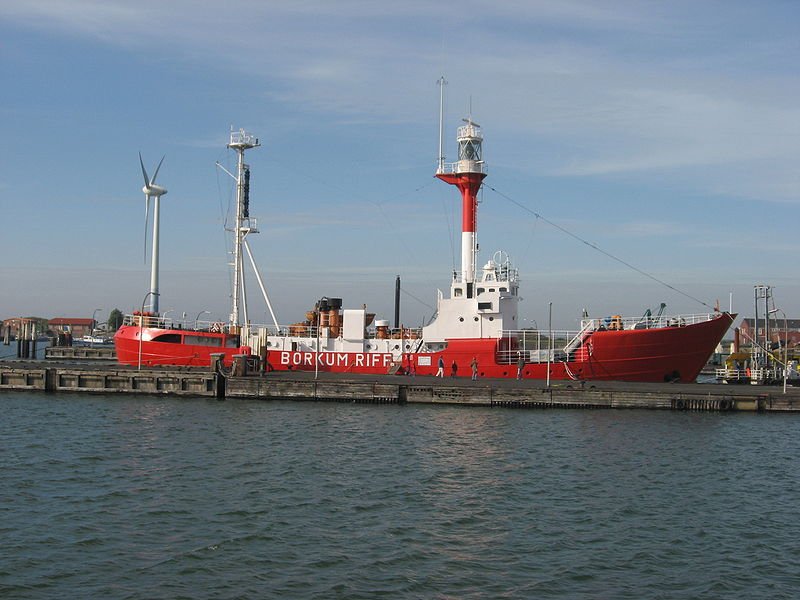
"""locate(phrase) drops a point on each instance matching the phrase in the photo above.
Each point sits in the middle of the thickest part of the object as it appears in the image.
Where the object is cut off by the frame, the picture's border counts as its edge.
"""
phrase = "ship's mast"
(466, 174)
(240, 141)
(441, 83)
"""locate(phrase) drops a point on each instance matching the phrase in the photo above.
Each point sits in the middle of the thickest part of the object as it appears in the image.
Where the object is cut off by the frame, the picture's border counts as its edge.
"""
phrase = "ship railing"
(297, 330)
(503, 275)
(463, 166)
(301, 330)
(617, 322)
(138, 320)
(535, 345)
(732, 375)
(757, 375)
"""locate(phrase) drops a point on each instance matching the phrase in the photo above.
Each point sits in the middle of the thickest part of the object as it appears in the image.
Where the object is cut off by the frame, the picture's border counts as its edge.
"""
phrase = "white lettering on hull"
(341, 360)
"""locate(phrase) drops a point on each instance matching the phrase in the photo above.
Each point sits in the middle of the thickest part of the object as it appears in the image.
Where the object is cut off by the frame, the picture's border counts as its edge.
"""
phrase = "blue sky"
(665, 133)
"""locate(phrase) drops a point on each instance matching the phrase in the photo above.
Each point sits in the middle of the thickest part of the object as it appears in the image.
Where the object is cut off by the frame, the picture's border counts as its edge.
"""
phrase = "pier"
(95, 377)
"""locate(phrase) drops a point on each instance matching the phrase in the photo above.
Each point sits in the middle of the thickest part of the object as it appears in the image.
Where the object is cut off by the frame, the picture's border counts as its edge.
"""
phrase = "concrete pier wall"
(390, 389)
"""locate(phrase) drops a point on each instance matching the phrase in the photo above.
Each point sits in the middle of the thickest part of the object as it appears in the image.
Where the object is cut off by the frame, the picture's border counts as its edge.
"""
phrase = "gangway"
(588, 329)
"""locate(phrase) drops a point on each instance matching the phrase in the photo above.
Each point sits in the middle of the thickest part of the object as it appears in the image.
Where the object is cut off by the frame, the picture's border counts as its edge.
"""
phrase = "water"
(146, 497)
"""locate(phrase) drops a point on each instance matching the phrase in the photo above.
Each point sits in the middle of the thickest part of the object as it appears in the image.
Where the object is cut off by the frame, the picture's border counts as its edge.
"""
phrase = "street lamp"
(206, 312)
(785, 346)
(527, 320)
(550, 351)
(316, 362)
(91, 342)
(141, 324)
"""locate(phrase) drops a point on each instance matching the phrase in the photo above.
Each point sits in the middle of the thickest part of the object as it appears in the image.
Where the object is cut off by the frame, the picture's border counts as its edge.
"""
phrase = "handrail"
(535, 346)
(651, 322)
(460, 166)
(309, 331)
(588, 328)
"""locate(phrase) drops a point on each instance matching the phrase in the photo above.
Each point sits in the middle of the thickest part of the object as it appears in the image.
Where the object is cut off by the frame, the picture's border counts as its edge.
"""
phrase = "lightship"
(477, 325)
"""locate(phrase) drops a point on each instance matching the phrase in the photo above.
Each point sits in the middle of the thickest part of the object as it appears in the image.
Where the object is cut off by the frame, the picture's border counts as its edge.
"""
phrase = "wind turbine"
(151, 190)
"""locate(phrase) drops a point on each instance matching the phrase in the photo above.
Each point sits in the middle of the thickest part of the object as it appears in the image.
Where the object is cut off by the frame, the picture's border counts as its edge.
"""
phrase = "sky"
(666, 134)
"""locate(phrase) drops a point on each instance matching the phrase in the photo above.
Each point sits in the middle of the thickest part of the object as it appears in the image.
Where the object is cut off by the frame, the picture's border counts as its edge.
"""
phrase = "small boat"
(93, 340)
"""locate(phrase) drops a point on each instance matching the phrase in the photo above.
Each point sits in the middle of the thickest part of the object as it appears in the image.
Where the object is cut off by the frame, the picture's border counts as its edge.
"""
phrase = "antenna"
(441, 83)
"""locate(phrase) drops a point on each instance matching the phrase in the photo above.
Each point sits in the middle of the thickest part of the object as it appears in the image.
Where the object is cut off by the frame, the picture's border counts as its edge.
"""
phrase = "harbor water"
(144, 497)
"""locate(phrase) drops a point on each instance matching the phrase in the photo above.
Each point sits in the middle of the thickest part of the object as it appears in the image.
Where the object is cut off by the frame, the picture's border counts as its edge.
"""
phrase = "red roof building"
(78, 327)
(778, 329)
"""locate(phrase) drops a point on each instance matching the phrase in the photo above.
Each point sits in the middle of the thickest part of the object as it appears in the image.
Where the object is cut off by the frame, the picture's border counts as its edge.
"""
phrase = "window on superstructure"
(457, 292)
(169, 338)
(203, 340)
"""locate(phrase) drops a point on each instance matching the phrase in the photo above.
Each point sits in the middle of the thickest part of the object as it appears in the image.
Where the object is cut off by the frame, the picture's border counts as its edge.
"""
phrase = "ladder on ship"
(579, 340)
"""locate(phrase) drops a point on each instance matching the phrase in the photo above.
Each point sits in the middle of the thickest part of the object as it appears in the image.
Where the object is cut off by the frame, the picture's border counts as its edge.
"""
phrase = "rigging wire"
(597, 248)
(407, 293)
(332, 185)
(225, 212)
(449, 218)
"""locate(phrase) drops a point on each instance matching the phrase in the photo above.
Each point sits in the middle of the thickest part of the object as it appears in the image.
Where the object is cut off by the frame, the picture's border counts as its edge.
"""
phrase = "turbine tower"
(151, 190)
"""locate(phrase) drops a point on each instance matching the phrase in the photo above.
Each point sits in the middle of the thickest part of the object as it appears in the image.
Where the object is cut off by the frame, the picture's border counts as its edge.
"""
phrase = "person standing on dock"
(474, 366)
(440, 371)
(453, 369)
(520, 365)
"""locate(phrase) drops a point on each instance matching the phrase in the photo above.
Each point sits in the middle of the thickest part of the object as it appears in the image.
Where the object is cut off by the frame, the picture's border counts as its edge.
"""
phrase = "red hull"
(176, 348)
(649, 355)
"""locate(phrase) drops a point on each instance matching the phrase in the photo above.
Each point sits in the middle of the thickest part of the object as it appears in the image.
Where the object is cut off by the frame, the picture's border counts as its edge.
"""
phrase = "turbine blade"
(157, 168)
(146, 179)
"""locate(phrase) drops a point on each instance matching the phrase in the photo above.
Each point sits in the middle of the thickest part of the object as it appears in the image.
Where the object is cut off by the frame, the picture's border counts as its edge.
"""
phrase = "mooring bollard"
(216, 362)
(239, 365)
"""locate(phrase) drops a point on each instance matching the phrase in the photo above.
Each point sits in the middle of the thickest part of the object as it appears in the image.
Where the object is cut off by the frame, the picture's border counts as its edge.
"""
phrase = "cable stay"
(410, 295)
(598, 249)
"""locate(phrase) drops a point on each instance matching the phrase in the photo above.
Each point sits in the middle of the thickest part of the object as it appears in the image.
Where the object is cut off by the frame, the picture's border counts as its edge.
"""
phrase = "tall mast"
(467, 174)
(441, 83)
(240, 141)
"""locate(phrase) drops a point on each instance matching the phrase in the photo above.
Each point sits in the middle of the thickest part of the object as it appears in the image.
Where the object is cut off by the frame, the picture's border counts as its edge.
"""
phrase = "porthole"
(461, 319)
